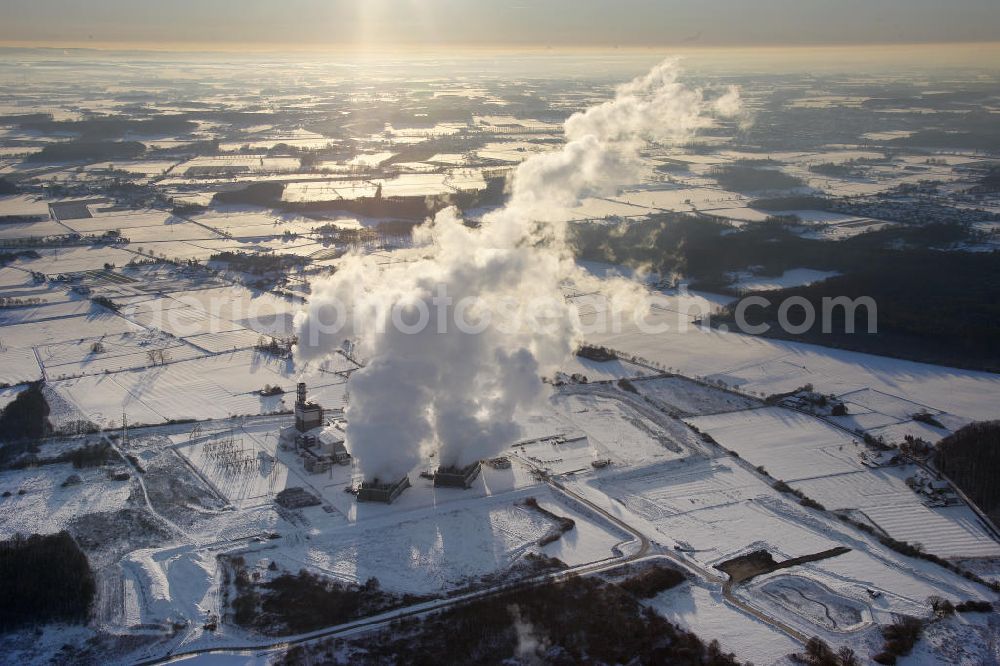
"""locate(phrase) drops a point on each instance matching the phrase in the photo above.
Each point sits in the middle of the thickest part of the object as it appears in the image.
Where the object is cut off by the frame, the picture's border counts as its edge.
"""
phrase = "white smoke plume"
(431, 385)
(531, 645)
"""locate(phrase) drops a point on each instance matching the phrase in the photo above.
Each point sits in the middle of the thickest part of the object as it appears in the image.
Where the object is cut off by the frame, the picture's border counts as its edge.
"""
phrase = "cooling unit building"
(379, 491)
(457, 477)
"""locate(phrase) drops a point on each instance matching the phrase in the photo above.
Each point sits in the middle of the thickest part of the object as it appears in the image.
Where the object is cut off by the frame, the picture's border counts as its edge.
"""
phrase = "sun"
(394, 24)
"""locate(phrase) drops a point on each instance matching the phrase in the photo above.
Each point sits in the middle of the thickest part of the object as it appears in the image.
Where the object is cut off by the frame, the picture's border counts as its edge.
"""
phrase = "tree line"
(970, 457)
(45, 579)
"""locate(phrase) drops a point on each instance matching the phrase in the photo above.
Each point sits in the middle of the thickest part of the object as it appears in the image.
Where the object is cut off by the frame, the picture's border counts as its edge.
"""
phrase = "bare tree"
(157, 356)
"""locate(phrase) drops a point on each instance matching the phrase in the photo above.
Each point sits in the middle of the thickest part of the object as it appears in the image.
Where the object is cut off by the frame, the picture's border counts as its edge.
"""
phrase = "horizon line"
(376, 49)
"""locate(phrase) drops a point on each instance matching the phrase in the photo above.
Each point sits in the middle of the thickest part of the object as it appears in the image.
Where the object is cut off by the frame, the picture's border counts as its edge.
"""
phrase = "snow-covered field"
(709, 510)
(618, 432)
(761, 366)
(686, 397)
(789, 445)
(205, 387)
(701, 609)
(96, 324)
(602, 370)
(824, 463)
(434, 551)
(18, 365)
(220, 309)
(791, 278)
(74, 259)
(39, 504)
(23, 204)
(714, 507)
(815, 603)
(113, 353)
(885, 499)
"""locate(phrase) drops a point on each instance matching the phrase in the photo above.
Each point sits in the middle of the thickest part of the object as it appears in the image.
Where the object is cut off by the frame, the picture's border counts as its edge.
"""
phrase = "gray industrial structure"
(308, 415)
(378, 491)
(457, 477)
(296, 497)
(318, 444)
(320, 450)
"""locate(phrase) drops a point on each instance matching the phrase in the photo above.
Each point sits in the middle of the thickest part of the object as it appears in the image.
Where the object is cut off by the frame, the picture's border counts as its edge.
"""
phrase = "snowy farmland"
(763, 367)
(18, 366)
(684, 397)
(618, 432)
(41, 503)
(204, 387)
(96, 323)
(703, 610)
(825, 464)
(789, 445)
(713, 506)
(790, 278)
(883, 497)
(708, 511)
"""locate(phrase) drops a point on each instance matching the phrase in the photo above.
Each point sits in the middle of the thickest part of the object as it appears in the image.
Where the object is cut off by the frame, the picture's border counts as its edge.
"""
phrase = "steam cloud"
(531, 645)
(439, 387)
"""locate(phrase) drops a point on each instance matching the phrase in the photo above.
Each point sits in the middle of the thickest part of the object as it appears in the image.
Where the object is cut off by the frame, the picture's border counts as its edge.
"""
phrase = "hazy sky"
(598, 23)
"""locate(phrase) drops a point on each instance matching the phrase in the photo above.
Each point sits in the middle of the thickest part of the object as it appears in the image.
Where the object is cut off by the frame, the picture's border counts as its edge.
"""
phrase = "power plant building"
(378, 491)
(332, 446)
(308, 415)
(457, 477)
(321, 449)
